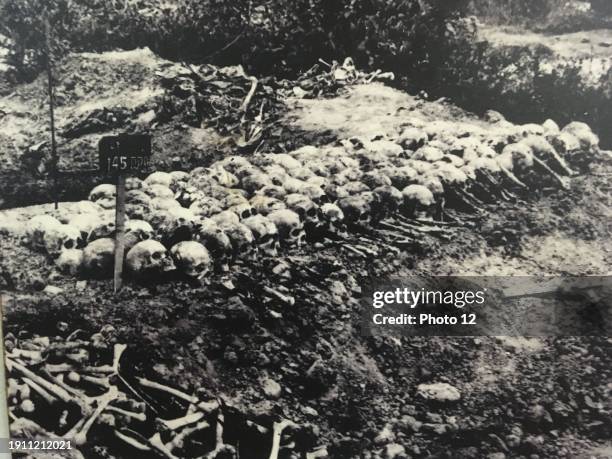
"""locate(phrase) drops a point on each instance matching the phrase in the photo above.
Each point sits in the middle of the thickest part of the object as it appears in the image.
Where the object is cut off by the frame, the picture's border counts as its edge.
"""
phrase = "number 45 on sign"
(119, 156)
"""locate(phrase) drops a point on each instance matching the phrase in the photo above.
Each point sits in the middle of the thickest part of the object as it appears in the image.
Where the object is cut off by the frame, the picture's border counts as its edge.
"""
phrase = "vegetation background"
(433, 46)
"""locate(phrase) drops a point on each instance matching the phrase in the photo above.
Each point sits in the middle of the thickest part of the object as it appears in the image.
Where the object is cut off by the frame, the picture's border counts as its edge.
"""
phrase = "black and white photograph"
(306, 229)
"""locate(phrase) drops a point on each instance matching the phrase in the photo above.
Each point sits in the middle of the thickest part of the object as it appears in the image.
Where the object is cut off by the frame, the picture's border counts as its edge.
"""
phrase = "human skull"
(178, 180)
(264, 205)
(412, 138)
(315, 193)
(103, 227)
(354, 188)
(374, 179)
(390, 198)
(582, 131)
(216, 241)
(104, 195)
(223, 177)
(176, 222)
(272, 191)
(265, 233)
(305, 153)
(188, 195)
(37, 227)
(290, 227)
(428, 153)
(159, 178)
(226, 216)
(148, 259)
(206, 207)
(336, 192)
(60, 238)
(70, 261)
(253, 182)
(356, 208)
(192, 259)
(346, 176)
(85, 223)
(419, 202)
(318, 181)
(164, 204)
(550, 126)
(401, 176)
(242, 239)
(233, 163)
(85, 207)
(243, 210)
(286, 161)
(234, 198)
(134, 183)
(137, 204)
(333, 216)
(159, 191)
(136, 231)
(301, 173)
(292, 185)
(304, 207)
(422, 167)
(98, 258)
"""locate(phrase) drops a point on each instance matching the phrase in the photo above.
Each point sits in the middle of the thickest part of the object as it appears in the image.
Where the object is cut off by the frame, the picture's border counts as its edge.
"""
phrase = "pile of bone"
(73, 388)
(325, 79)
(242, 206)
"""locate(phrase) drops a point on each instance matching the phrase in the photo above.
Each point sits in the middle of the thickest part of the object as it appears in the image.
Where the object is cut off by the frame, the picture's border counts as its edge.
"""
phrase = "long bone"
(132, 441)
(277, 432)
(53, 389)
(81, 428)
(129, 414)
(178, 440)
(50, 399)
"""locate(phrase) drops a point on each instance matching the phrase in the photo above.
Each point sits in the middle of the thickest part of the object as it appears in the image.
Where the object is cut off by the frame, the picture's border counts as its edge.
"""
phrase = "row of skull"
(239, 204)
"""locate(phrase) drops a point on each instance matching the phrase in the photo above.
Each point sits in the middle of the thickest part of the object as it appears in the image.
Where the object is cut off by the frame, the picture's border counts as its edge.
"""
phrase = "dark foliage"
(430, 45)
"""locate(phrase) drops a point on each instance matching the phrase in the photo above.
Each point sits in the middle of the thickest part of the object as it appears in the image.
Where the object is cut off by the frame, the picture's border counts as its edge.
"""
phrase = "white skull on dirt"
(85, 223)
(419, 202)
(60, 238)
(290, 227)
(265, 233)
(304, 207)
(356, 209)
(103, 226)
(159, 178)
(148, 258)
(243, 241)
(192, 259)
(244, 210)
(264, 205)
(37, 227)
(333, 216)
(206, 207)
(159, 191)
(98, 258)
(70, 261)
(104, 195)
(216, 241)
(136, 231)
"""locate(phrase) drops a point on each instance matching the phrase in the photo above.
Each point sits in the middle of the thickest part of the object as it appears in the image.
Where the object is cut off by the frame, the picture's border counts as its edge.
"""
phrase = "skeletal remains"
(241, 206)
(79, 377)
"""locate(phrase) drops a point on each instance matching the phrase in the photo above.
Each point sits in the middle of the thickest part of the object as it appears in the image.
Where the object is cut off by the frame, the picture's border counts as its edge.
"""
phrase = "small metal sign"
(124, 153)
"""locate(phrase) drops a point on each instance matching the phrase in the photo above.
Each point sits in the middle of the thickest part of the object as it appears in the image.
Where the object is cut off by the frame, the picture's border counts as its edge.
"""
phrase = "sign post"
(119, 232)
(119, 156)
